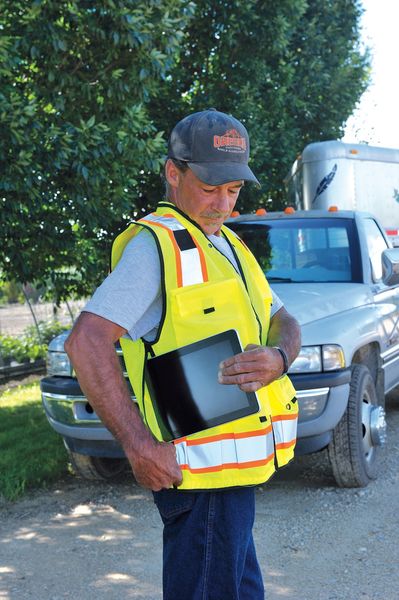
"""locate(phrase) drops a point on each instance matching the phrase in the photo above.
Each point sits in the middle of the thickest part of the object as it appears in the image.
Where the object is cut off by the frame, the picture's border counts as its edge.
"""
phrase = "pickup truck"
(337, 274)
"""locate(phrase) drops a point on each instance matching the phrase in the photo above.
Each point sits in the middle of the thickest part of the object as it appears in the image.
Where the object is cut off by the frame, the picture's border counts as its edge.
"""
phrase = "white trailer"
(350, 177)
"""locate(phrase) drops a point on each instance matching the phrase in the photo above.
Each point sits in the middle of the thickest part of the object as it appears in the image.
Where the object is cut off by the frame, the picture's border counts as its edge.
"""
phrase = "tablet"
(185, 391)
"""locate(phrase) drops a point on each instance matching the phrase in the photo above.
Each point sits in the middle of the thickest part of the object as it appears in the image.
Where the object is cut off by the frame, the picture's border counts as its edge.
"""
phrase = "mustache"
(215, 215)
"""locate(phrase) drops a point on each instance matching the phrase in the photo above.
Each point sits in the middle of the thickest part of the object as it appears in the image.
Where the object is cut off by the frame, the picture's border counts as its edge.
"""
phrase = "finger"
(238, 379)
(251, 353)
(178, 479)
(229, 361)
(252, 386)
(249, 347)
(253, 366)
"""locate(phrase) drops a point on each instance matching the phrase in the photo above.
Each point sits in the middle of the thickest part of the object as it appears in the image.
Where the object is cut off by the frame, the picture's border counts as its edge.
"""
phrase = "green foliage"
(292, 70)
(9, 346)
(48, 330)
(75, 133)
(88, 90)
(32, 454)
(32, 344)
(11, 292)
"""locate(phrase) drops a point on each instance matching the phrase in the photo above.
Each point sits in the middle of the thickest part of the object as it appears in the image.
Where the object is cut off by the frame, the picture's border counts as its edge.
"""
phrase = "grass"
(31, 453)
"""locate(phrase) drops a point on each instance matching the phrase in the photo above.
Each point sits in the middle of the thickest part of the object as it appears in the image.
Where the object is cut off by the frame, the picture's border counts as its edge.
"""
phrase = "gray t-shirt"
(131, 294)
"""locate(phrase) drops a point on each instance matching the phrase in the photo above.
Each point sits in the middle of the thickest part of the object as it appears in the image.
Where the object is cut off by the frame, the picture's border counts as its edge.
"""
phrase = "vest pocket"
(211, 308)
(284, 417)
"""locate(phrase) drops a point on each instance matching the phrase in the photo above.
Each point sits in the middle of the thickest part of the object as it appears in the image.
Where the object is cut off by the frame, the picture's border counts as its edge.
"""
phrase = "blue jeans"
(208, 551)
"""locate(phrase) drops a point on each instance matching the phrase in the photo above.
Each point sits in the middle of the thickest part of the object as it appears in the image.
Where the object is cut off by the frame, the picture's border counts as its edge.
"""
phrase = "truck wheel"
(356, 444)
(96, 468)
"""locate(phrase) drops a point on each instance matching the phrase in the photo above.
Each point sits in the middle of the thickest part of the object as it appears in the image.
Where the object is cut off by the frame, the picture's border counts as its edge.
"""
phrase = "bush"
(48, 330)
(29, 346)
(11, 292)
(8, 347)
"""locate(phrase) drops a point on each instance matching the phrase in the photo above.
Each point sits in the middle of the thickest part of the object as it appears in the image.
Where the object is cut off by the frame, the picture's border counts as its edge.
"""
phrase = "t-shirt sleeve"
(131, 294)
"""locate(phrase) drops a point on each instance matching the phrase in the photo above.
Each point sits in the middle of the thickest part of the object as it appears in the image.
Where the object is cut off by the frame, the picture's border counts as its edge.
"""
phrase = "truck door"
(387, 300)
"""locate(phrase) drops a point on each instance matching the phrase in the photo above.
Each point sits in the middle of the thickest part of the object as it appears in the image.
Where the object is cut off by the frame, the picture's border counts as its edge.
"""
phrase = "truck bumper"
(70, 415)
(322, 400)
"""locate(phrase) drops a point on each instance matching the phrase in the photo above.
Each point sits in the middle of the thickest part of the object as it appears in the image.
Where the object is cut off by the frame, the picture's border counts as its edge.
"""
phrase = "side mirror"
(390, 266)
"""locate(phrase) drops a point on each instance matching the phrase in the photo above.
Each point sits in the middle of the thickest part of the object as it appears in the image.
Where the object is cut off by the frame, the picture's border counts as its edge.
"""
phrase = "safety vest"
(196, 277)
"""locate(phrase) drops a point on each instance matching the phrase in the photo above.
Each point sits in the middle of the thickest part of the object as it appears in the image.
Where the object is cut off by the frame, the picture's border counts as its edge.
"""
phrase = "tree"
(88, 90)
(292, 70)
(75, 133)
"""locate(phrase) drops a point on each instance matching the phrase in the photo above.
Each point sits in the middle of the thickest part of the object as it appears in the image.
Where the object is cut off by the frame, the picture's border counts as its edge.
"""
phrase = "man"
(180, 276)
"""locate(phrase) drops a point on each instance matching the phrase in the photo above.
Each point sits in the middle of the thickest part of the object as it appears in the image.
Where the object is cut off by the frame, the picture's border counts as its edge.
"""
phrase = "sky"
(376, 120)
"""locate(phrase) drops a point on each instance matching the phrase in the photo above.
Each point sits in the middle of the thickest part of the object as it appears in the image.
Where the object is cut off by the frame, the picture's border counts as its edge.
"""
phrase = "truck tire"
(96, 468)
(355, 448)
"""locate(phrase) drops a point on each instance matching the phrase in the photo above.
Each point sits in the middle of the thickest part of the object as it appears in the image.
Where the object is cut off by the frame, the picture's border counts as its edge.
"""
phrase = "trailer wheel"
(355, 449)
(96, 468)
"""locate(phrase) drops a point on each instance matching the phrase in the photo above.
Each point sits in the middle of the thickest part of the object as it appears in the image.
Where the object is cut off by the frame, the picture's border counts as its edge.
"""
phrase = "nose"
(223, 201)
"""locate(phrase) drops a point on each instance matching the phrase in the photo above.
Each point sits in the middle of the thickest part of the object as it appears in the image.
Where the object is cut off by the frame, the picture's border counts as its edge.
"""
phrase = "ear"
(172, 173)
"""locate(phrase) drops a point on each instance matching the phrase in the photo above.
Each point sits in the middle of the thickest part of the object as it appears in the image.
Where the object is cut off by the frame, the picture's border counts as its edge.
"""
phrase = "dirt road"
(314, 541)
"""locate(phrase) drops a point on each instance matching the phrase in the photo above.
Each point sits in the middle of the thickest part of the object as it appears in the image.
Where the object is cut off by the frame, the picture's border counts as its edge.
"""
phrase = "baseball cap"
(214, 145)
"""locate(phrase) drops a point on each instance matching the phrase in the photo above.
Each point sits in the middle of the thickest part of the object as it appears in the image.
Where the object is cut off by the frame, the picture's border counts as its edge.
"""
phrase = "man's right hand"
(154, 465)
(91, 349)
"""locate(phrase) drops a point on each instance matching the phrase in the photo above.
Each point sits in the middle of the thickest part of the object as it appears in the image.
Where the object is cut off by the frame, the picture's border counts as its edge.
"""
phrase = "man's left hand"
(252, 369)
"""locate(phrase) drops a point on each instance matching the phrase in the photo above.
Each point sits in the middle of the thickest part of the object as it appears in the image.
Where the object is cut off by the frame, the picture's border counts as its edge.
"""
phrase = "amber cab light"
(289, 210)
(235, 213)
(333, 208)
(261, 211)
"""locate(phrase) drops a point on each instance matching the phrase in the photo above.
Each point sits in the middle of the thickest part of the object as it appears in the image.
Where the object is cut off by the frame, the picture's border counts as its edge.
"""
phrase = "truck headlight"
(333, 357)
(307, 361)
(58, 363)
(314, 359)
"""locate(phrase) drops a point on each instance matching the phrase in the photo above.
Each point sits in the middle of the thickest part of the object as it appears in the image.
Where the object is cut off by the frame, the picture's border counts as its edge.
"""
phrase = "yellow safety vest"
(194, 277)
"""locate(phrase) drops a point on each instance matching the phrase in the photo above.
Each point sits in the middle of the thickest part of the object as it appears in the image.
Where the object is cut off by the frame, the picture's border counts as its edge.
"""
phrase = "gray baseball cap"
(214, 145)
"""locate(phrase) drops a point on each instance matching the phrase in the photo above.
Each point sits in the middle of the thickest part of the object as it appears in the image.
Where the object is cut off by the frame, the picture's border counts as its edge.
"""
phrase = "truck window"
(375, 244)
(304, 250)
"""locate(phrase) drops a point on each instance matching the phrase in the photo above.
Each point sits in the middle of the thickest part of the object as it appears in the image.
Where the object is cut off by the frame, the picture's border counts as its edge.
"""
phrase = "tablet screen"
(185, 390)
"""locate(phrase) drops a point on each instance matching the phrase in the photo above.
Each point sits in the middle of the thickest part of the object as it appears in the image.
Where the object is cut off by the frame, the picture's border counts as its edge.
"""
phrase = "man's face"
(208, 205)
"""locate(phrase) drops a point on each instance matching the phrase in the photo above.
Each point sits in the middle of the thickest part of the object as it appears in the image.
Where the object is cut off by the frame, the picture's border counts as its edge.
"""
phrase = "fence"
(14, 318)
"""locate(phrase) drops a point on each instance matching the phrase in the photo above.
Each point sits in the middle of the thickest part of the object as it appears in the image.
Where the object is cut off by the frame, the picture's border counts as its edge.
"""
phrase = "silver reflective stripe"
(191, 267)
(214, 455)
(190, 260)
(169, 222)
(284, 430)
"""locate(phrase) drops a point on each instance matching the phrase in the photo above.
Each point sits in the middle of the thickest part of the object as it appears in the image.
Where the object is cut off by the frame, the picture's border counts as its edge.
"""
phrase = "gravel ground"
(315, 541)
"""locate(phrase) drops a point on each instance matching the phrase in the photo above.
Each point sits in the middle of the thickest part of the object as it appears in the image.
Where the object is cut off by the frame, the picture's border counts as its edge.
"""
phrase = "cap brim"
(214, 173)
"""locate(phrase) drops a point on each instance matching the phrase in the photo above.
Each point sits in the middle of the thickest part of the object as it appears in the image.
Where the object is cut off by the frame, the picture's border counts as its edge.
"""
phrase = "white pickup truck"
(336, 273)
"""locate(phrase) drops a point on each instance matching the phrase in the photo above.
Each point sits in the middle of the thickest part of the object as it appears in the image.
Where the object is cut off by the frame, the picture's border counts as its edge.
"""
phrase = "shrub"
(9, 347)
(29, 346)
(48, 331)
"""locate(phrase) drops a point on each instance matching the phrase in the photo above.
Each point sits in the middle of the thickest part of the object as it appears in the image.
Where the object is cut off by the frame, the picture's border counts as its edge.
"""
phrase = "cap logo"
(231, 141)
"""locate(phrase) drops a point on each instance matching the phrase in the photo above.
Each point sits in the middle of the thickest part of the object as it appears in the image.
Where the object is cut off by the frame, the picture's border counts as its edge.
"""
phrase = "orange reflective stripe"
(176, 249)
(283, 445)
(285, 417)
(187, 270)
(224, 436)
(226, 451)
(202, 261)
(236, 465)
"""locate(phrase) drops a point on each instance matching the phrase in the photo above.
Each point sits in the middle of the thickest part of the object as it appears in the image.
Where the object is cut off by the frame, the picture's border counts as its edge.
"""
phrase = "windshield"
(304, 249)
